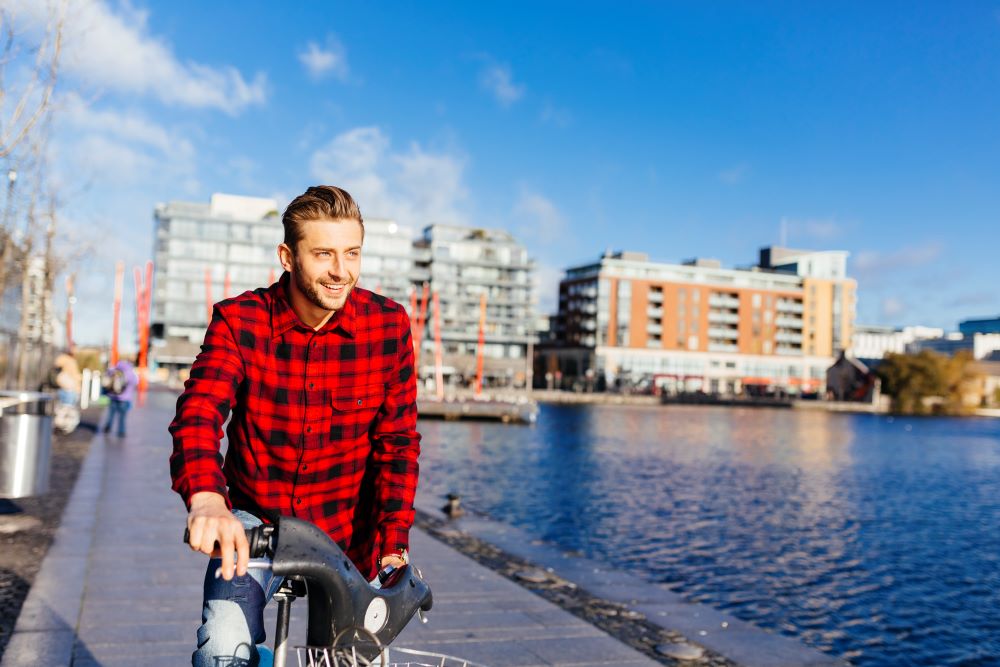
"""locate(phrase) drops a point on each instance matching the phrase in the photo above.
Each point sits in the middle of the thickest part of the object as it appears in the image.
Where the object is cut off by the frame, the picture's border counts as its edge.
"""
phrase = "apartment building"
(204, 253)
(696, 326)
(203, 249)
(871, 343)
(462, 265)
(389, 260)
(983, 325)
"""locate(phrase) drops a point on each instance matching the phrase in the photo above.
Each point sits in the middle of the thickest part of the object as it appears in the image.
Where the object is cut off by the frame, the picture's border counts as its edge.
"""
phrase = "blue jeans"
(232, 615)
(117, 409)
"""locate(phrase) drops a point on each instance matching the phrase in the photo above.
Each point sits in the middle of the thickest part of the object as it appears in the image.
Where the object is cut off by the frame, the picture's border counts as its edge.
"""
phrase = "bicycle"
(351, 622)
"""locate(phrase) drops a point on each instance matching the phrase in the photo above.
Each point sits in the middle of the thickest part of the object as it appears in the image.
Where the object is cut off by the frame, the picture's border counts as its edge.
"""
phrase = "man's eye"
(353, 253)
(322, 254)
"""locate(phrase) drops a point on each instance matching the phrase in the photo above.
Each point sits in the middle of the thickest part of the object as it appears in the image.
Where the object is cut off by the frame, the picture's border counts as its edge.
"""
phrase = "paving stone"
(53, 648)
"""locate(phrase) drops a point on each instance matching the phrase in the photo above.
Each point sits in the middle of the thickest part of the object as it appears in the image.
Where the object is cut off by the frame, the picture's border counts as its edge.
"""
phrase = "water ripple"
(862, 538)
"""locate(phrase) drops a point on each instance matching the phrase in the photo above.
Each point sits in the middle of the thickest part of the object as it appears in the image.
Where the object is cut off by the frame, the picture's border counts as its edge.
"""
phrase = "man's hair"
(320, 202)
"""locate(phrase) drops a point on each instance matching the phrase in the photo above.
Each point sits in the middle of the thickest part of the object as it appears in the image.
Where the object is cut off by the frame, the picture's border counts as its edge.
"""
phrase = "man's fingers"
(226, 546)
(197, 528)
(242, 552)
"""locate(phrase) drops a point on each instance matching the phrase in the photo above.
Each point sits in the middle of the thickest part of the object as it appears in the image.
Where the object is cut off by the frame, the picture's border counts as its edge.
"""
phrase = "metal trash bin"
(25, 443)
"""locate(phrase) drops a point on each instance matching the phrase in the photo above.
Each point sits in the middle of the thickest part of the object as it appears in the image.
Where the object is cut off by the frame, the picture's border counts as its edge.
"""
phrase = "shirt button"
(359, 401)
(312, 385)
(298, 501)
(304, 468)
(309, 429)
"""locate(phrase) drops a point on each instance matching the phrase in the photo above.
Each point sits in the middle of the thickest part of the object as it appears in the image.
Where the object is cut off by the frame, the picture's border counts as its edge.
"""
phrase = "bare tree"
(21, 110)
(29, 67)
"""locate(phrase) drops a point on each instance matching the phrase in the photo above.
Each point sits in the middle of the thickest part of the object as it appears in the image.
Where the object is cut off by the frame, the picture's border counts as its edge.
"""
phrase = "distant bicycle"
(351, 622)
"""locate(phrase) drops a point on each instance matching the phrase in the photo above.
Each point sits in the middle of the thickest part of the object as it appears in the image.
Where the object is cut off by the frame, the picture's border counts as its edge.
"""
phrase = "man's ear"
(286, 257)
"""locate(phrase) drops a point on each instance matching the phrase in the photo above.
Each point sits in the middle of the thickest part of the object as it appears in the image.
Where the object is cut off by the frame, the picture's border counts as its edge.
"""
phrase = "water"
(867, 537)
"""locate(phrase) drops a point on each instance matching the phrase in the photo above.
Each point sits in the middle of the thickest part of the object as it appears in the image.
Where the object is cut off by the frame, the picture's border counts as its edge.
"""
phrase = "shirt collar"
(284, 318)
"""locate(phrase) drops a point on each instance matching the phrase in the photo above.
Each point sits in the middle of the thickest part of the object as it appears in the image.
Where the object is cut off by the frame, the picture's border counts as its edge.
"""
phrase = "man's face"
(326, 263)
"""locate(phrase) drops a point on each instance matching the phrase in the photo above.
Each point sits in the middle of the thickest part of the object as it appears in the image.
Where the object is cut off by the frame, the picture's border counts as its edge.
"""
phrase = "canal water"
(868, 537)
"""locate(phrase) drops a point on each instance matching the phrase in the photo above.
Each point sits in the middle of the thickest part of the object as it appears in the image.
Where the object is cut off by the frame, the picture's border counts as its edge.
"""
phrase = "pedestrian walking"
(120, 384)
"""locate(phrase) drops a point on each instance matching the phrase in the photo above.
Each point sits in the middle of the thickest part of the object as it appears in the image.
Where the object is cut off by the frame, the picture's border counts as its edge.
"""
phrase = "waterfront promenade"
(119, 588)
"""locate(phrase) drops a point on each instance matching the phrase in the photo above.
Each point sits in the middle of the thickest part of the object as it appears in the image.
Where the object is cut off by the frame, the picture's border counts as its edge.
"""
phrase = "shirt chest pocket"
(354, 410)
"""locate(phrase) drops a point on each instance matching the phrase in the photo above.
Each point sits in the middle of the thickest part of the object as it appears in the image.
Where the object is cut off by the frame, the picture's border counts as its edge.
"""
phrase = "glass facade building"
(207, 252)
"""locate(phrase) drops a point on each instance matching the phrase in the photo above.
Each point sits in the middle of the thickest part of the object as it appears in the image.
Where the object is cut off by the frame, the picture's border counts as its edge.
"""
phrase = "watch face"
(376, 615)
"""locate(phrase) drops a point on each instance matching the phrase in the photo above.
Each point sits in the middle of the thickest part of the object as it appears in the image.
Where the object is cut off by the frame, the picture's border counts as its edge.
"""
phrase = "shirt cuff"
(395, 540)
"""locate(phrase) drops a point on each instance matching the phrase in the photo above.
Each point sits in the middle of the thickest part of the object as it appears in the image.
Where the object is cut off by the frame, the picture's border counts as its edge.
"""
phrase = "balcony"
(717, 333)
(655, 297)
(723, 317)
(654, 312)
(788, 351)
(656, 329)
(720, 301)
(722, 347)
(788, 337)
(788, 322)
(789, 306)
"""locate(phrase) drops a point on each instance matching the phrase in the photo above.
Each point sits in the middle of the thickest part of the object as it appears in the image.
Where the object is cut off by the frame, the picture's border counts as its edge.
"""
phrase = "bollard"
(453, 509)
(85, 389)
(25, 443)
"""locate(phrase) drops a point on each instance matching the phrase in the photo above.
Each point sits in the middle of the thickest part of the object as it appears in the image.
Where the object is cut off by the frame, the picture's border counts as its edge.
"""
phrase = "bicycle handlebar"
(339, 596)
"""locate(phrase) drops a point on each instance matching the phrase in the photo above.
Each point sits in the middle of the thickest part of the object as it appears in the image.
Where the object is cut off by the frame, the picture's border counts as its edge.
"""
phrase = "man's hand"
(210, 522)
(392, 559)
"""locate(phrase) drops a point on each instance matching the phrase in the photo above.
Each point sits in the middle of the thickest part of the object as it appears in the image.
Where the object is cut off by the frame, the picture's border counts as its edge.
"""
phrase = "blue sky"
(680, 129)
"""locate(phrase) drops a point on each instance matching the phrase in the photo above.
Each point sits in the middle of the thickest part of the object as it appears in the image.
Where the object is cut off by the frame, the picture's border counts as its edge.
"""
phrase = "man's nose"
(335, 267)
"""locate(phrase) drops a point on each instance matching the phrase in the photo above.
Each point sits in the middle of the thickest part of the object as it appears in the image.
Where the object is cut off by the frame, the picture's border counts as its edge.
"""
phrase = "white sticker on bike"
(376, 615)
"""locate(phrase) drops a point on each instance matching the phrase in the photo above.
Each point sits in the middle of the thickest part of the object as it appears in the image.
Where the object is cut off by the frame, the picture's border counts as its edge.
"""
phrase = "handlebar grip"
(259, 539)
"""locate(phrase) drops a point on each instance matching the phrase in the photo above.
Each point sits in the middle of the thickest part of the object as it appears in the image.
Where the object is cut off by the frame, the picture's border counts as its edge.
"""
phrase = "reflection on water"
(869, 537)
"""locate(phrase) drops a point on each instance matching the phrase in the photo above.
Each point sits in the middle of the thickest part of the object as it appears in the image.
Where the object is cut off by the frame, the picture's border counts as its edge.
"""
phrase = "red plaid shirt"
(323, 422)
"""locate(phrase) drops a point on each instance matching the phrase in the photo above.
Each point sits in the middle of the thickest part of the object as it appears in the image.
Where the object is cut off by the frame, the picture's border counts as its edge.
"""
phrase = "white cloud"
(734, 175)
(819, 229)
(115, 51)
(554, 115)
(416, 186)
(321, 62)
(540, 219)
(891, 308)
(123, 147)
(499, 82)
(869, 263)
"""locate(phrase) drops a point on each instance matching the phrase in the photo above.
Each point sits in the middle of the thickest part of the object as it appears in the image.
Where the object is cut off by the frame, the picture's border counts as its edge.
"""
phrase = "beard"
(314, 292)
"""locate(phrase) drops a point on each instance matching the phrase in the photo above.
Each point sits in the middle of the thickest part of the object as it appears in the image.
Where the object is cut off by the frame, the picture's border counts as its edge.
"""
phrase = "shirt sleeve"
(209, 393)
(395, 448)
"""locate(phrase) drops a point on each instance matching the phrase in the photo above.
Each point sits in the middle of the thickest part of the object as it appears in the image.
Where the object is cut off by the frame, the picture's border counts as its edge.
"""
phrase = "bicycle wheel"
(347, 656)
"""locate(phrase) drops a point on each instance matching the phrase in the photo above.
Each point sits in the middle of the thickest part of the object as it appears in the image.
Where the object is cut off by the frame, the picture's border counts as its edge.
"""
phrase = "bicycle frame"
(340, 598)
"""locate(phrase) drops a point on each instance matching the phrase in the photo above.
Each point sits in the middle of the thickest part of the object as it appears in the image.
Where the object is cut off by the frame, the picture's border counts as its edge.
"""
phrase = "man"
(319, 377)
